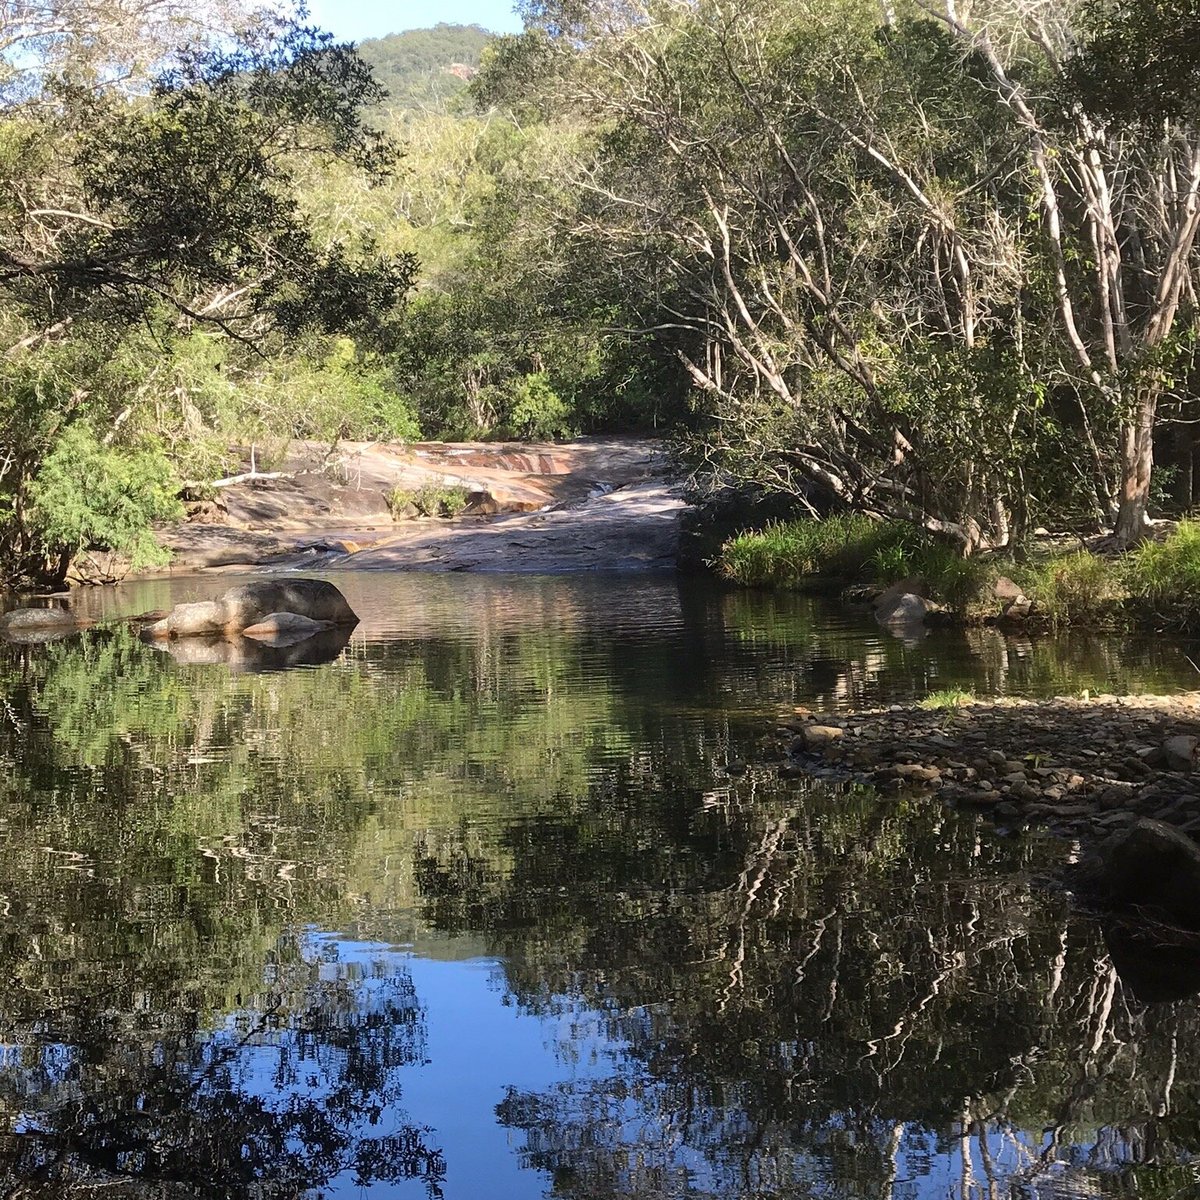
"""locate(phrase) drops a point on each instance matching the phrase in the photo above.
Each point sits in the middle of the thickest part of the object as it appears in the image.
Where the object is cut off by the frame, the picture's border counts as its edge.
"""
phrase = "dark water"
(473, 910)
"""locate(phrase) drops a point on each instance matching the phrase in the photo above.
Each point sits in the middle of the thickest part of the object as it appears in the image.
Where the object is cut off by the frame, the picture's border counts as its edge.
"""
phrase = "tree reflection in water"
(776, 992)
(835, 998)
(283, 1096)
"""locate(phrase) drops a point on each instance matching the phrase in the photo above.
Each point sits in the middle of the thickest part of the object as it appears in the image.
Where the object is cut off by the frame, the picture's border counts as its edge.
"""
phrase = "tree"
(905, 255)
(172, 210)
(793, 200)
(1121, 198)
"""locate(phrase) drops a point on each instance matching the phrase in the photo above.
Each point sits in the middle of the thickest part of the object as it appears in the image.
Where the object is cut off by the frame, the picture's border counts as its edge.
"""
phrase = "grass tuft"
(946, 698)
(1074, 589)
(851, 547)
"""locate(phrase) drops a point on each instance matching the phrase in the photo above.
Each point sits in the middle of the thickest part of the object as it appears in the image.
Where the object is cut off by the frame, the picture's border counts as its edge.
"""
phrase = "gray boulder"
(904, 609)
(1018, 609)
(250, 604)
(205, 617)
(313, 598)
(1179, 753)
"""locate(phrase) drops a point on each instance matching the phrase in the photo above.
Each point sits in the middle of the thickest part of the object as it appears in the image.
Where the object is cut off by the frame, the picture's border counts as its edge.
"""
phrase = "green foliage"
(453, 501)
(851, 547)
(87, 495)
(399, 501)
(421, 67)
(1139, 60)
(536, 410)
(946, 698)
(1079, 588)
(789, 554)
(1165, 575)
(430, 500)
(182, 303)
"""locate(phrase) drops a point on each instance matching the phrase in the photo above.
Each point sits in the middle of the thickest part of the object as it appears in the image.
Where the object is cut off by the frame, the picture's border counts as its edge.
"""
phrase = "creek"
(476, 909)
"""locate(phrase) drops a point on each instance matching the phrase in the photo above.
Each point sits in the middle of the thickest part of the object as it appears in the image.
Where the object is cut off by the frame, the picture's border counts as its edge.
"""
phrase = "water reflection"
(472, 910)
(250, 654)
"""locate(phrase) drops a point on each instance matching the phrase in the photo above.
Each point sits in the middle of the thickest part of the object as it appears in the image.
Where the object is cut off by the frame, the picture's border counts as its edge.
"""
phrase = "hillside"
(424, 67)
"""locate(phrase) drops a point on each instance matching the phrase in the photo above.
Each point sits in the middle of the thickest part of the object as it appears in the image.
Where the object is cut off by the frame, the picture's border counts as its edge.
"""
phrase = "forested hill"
(423, 67)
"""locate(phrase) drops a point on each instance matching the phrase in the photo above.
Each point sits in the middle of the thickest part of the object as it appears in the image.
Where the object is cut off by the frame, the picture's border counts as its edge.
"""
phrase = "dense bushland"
(915, 260)
(929, 266)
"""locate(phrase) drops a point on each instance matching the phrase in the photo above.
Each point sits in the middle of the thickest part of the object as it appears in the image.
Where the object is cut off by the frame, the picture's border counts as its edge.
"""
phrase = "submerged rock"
(1151, 868)
(285, 628)
(31, 625)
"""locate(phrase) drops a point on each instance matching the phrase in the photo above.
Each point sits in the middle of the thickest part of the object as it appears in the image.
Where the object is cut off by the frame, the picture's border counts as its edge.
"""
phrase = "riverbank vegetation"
(1156, 582)
(934, 268)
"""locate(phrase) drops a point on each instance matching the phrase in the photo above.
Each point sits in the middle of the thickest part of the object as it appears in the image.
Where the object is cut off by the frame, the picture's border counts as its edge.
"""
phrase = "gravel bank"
(1084, 766)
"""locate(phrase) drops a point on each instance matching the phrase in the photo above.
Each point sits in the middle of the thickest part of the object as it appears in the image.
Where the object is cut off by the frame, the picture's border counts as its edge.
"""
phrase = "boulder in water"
(250, 604)
(313, 598)
(30, 625)
(905, 609)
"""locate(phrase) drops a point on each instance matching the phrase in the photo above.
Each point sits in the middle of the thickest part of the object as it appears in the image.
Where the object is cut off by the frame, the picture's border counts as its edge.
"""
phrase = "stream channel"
(474, 909)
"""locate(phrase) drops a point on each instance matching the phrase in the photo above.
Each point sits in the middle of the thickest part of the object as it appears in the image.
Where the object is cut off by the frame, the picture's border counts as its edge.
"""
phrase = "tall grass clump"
(851, 547)
(1074, 589)
(946, 698)
(1165, 576)
(790, 554)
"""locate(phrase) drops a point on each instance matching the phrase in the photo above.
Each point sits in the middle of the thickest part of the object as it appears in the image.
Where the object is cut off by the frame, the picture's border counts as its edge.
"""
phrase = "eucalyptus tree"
(906, 253)
(1114, 145)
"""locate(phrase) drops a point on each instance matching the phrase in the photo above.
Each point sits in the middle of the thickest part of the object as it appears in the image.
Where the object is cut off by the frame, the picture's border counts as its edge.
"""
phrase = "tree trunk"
(1137, 464)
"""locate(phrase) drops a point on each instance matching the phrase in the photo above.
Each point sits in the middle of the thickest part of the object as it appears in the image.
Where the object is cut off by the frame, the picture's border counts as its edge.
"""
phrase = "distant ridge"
(426, 67)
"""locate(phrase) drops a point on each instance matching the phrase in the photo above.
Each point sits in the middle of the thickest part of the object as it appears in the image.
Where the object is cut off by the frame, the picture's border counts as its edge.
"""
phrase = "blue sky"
(354, 20)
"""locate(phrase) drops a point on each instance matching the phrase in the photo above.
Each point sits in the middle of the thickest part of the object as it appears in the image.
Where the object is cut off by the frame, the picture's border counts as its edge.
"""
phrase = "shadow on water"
(471, 909)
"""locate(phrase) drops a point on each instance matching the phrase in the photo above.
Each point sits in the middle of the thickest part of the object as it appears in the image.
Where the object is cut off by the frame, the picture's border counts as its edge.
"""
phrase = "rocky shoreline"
(1085, 767)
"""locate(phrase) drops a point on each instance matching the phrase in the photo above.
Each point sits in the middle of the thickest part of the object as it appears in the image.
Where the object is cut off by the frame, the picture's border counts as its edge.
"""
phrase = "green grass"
(791, 553)
(946, 698)
(851, 548)
(1079, 588)
(1165, 576)
(1074, 589)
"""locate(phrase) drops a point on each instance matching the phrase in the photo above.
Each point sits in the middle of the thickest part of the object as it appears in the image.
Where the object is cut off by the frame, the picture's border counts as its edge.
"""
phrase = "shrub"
(537, 409)
(430, 500)
(399, 500)
(89, 495)
(454, 500)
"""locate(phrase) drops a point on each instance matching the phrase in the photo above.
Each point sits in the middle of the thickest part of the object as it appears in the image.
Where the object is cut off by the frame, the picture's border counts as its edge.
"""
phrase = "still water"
(468, 906)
